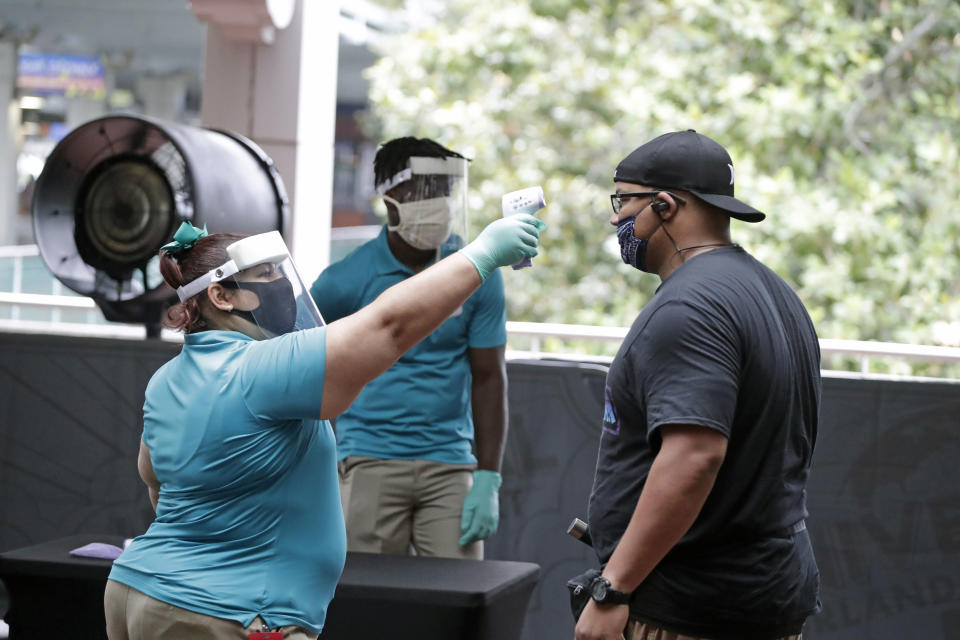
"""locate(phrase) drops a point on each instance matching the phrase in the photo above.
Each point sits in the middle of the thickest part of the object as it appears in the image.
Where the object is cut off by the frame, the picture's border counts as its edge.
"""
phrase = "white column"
(283, 97)
(9, 117)
(79, 111)
(163, 97)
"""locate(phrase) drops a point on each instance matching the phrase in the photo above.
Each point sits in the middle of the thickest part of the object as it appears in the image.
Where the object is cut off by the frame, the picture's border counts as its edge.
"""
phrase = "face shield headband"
(285, 303)
(422, 165)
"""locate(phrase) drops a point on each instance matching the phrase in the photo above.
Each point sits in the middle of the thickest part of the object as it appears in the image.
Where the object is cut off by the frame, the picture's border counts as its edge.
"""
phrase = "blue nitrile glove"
(481, 509)
(503, 242)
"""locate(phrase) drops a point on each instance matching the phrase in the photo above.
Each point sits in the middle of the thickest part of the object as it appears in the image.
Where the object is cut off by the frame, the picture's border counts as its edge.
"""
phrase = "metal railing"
(533, 334)
(43, 291)
(863, 350)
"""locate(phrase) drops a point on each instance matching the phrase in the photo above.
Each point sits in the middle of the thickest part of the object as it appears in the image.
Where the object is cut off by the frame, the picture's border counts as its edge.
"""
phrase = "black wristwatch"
(603, 593)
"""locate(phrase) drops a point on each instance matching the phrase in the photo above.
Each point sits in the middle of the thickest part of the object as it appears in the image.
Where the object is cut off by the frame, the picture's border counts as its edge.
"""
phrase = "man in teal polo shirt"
(421, 446)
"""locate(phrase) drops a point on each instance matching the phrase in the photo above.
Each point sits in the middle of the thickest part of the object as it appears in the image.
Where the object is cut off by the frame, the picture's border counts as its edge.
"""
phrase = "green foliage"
(842, 118)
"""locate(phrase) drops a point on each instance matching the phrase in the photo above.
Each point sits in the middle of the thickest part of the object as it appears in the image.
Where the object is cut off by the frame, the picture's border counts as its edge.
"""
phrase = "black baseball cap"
(689, 161)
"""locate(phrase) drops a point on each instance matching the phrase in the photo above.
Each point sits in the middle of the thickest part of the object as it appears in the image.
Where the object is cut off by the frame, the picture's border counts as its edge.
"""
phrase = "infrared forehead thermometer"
(529, 200)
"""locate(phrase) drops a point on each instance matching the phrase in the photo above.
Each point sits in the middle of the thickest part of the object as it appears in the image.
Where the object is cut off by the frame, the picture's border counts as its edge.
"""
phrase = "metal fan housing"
(115, 189)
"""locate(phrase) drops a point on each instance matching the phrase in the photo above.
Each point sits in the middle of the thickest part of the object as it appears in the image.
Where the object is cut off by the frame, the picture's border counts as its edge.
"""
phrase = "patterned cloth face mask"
(633, 250)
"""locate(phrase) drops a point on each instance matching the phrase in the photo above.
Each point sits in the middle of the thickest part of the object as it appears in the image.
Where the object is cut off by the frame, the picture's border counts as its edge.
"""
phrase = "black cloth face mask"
(277, 312)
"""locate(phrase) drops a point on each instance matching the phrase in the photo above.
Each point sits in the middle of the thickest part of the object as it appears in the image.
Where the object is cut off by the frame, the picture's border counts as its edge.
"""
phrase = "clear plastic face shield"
(268, 290)
(430, 199)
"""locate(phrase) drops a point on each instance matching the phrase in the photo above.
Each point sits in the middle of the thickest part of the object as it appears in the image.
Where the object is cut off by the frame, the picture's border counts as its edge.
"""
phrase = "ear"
(220, 297)
(667, 207)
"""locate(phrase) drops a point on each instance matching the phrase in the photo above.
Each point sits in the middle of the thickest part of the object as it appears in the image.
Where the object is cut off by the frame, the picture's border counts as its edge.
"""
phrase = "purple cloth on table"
(99, 550)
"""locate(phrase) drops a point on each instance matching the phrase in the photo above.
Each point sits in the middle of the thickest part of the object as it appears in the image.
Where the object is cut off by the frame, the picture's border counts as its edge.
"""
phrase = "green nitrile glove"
(503, 242)
(481, 509)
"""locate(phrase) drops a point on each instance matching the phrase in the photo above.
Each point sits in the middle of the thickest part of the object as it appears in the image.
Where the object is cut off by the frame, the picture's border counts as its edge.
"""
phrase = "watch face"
(600, 589)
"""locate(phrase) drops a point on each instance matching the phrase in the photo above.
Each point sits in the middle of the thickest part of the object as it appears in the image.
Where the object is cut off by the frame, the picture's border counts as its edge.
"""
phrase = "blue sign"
(46, 73)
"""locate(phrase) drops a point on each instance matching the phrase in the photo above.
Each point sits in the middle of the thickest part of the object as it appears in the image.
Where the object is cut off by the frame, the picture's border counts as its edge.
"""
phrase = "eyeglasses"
(616, 199)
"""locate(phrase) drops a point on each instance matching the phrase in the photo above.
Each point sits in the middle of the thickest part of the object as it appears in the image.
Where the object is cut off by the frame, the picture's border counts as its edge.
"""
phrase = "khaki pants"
(642, 631)
(132, 615)
(399, 506)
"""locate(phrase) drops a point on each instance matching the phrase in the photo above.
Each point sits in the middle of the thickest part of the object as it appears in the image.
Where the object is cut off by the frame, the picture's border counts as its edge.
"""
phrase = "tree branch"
(874, 86)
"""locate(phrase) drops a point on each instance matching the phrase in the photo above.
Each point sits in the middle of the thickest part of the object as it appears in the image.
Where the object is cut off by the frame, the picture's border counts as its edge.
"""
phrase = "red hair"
(207, 254)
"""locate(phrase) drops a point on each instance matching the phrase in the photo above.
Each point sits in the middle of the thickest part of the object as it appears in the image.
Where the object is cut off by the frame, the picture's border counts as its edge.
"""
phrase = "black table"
(54, 594)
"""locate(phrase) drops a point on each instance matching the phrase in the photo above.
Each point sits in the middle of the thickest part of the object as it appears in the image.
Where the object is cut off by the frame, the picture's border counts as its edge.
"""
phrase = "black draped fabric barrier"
(70, 423)
(884, 493)
(71, 414)
(556, 409)
(884, 498)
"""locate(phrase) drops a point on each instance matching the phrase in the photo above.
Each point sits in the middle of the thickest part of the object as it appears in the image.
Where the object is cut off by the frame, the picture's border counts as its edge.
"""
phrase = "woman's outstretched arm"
(363, 345)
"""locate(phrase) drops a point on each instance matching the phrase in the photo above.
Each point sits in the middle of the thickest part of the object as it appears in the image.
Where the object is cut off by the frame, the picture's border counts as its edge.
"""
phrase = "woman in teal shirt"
(237, 453)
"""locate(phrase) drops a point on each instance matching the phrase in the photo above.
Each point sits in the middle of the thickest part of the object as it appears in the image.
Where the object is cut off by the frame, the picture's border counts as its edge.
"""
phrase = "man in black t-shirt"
(711, 410)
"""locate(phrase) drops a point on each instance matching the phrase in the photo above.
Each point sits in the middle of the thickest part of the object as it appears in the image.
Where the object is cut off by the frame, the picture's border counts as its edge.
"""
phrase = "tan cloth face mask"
(424, 224)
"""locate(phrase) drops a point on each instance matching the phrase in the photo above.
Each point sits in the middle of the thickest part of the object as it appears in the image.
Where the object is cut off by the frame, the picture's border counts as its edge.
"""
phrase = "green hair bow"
(185, 237)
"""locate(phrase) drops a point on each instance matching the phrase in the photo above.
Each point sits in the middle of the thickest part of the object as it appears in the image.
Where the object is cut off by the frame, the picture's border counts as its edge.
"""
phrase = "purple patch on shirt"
(611, 422)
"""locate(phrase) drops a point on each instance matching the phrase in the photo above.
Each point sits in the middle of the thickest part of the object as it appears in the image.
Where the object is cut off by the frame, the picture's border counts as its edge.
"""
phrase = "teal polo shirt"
(249, 520)
(419, 409)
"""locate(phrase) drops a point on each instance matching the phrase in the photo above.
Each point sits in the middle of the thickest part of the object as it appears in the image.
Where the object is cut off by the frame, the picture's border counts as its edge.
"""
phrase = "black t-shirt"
(727, 345)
